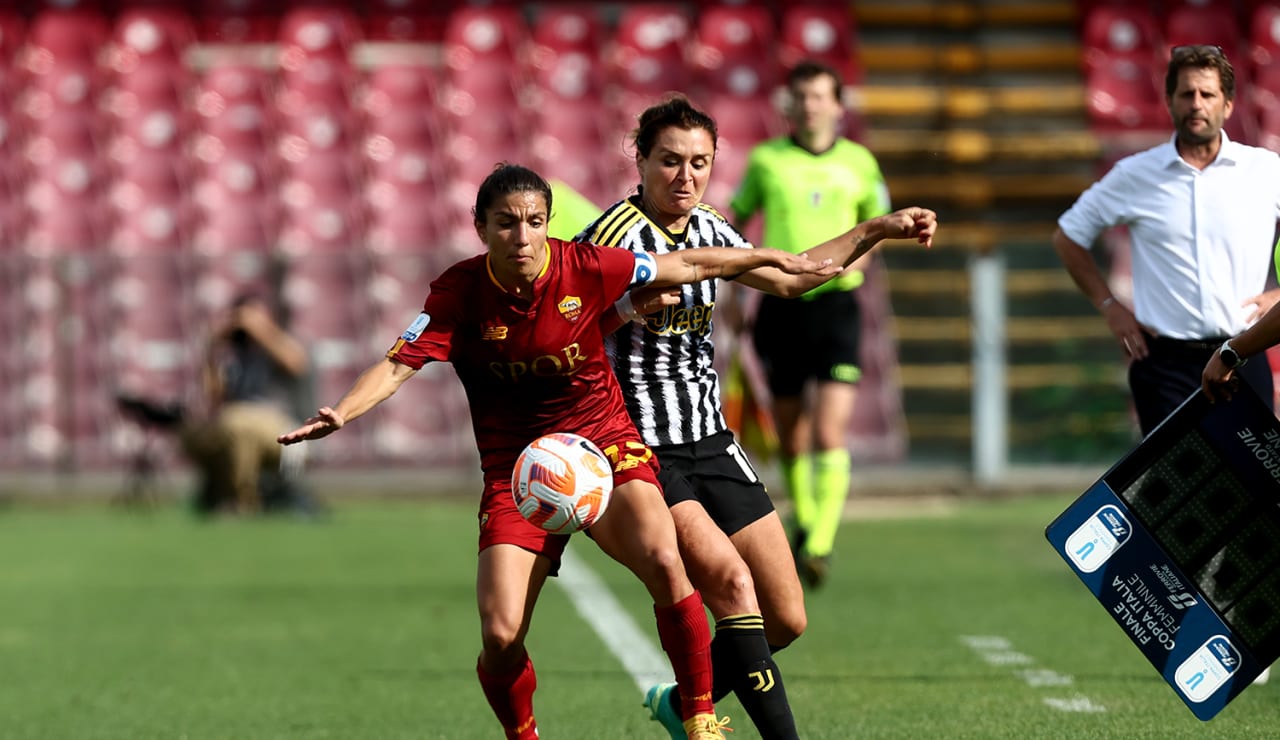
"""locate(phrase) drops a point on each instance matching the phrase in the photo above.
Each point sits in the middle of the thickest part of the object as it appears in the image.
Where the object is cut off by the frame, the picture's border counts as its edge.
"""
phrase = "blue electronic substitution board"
(1180, 543)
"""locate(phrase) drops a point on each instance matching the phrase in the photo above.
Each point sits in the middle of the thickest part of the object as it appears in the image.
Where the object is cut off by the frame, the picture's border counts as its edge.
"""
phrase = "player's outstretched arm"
(908, 223)
(375, 385)
(694, 265)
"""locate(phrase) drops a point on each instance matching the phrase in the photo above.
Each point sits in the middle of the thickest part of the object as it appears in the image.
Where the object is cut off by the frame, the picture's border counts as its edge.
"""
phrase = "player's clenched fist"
(914, 222)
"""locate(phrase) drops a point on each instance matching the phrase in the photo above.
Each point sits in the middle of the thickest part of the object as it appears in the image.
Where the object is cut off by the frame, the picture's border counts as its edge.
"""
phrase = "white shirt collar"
(1226, 151)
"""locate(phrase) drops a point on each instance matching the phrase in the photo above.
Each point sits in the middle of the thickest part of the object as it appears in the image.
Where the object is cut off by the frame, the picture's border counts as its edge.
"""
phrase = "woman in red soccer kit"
(520, 324)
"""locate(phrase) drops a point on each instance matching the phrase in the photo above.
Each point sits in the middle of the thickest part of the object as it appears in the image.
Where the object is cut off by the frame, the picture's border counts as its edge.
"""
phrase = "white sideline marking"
(997, 650)
(596, 604)
(1075, 704)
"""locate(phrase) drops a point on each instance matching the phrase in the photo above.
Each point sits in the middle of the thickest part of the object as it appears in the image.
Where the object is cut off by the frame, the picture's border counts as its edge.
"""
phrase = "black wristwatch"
(1230, 358)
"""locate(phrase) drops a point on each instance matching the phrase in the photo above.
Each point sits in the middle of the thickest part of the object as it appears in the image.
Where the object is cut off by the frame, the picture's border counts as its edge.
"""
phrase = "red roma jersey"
(529, 368)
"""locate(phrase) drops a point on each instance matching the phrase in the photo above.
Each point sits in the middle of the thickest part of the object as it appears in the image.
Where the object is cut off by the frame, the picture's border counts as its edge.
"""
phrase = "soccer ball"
(562, 483)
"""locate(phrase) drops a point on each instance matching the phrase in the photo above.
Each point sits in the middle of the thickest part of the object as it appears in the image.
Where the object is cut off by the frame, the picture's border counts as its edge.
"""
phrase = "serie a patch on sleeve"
(1180, 543)
(416, 328)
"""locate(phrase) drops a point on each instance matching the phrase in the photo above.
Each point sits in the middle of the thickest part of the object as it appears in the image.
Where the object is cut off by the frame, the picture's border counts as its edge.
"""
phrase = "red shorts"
(502, 524)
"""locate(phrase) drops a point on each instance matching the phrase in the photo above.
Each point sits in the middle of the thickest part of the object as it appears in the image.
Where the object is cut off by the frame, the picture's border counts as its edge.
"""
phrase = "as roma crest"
(570, 307)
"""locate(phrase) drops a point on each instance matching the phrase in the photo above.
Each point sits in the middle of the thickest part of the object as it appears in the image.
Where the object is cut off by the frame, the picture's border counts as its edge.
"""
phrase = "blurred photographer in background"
(257, 380)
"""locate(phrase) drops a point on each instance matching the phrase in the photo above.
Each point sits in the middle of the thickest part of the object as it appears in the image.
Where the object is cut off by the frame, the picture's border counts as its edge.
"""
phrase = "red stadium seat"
(230, 232)
(155, 130)
(1269, 129)
(324, 226)
(61, 87)
(480, 34)
(647, 54)
(63, 179)
(153, 175)
(238, 21)
(226, 84)
(308, 31)
(407, 168)
(153, 84)
(1264, 35)
(13, 32)
(233, 107)
(404, 27)
(64, 133)
(1193, 24)
(1130, 32)
(566, 76)
(150, 34)
(404, 230)
(246, 129)
(238, 178)
(404, 434)
(389, 87)
(1242, 126)
(317, 81)
(558, 29)
(63, 37)
(735, 50)
(76, 226)
(400, 128)
(317, 128)
(1124, 96)
(1265, 89)
(825, 33)
(155, 227)
(482, 47)
(564, 57)
(323, 175)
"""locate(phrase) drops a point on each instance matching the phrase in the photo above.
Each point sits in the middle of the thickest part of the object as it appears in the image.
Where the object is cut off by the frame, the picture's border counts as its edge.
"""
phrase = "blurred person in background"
(730, 535)
(521, 326)
(256, 381)
(810, 186)
(1201, 212)
(572, 210)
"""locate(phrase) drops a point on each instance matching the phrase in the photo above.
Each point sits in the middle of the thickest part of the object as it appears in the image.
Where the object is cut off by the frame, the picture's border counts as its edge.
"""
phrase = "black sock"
(742, 662)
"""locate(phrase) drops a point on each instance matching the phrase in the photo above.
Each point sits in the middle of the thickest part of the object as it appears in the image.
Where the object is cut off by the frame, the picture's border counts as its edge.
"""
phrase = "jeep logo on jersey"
(570, 307)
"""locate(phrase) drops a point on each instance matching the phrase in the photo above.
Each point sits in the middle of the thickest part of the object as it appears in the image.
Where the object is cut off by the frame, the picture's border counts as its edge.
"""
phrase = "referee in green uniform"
(811, 186)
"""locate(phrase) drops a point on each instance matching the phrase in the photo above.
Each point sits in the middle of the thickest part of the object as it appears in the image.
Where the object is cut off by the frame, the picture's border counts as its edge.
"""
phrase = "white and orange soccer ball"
(562, 483)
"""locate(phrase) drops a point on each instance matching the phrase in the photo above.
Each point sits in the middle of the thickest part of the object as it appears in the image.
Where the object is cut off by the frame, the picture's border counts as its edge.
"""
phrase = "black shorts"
(798, 340)
(714, 472)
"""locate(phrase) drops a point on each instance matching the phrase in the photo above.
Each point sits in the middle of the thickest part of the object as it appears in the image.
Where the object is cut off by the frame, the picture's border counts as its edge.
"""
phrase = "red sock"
(683, 632)
(511, 697)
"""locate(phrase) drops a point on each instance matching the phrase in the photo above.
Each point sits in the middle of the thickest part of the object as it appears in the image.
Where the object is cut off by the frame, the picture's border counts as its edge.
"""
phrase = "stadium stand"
(258, 143)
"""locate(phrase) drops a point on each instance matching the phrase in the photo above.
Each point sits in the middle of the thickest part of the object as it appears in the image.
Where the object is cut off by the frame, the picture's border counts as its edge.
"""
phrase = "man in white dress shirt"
(1202, 212)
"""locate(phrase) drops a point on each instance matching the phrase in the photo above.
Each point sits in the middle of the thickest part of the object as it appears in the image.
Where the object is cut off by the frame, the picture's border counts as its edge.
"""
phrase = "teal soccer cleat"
(658, 699)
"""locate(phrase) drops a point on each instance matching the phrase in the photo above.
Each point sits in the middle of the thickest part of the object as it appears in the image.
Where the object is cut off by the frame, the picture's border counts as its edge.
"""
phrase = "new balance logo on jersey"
(494, 333)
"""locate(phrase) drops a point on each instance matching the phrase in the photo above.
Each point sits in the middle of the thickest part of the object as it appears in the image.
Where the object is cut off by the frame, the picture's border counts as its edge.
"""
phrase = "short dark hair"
(676, 111)
(1200, 56)
(506, 179)
(809, 69)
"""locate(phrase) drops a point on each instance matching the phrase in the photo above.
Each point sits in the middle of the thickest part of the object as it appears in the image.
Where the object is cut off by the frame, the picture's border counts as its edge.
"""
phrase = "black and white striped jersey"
(665, 365)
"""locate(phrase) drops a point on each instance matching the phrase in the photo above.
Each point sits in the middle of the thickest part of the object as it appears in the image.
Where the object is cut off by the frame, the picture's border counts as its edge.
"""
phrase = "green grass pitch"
(965, 624)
